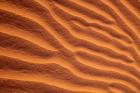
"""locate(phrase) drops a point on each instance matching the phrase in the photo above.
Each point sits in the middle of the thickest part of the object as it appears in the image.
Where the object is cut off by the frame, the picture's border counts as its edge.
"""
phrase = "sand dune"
(69, 46)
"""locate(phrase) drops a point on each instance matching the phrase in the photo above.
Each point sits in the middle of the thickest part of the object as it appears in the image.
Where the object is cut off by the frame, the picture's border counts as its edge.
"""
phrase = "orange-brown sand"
(69, 46)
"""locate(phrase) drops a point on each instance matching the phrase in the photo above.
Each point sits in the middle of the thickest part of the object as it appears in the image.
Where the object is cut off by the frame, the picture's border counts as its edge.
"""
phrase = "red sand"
(69, 46)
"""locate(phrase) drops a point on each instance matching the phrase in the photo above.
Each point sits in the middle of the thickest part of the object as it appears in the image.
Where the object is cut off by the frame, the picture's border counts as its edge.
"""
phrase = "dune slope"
(69, 46)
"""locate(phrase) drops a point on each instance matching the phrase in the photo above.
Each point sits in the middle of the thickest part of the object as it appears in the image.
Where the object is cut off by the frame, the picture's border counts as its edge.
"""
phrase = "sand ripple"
(69, 46)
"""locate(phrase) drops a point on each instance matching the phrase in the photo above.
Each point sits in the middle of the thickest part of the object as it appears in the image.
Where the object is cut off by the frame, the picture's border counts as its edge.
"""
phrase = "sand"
(69, 46)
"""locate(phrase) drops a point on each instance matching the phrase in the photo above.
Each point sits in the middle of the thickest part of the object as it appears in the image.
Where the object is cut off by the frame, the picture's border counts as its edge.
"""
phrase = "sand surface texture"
(69, 46)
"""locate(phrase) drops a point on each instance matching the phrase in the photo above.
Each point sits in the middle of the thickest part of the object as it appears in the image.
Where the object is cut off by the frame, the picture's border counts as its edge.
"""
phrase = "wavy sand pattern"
(69, 46)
